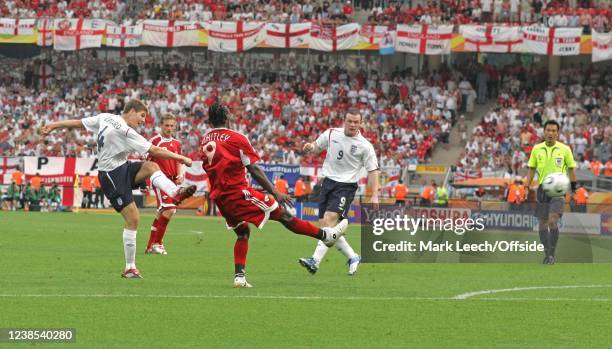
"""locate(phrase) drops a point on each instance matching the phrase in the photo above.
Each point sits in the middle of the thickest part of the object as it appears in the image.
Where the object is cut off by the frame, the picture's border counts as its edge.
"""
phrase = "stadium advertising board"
(310, 212)
(507, 220)
(273, 172)
(606, 224)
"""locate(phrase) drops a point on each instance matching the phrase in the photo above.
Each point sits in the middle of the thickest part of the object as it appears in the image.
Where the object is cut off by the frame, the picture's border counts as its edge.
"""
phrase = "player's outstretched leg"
(150, 170)
(327, 235)
(241, 248)
(158, 230)
(131, 216)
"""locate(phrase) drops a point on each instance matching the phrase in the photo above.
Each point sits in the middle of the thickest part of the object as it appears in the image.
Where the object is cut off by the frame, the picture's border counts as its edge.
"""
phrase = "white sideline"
(518, 289)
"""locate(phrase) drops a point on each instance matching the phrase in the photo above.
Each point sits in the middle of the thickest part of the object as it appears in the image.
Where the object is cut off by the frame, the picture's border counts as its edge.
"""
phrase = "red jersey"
(167, 166)
(225, 155)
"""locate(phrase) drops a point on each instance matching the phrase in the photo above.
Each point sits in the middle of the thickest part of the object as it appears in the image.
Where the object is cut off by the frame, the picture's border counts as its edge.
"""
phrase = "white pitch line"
(518, 289)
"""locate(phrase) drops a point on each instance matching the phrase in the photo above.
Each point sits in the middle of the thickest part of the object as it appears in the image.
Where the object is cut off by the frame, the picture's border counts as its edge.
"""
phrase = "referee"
(347, 153)
(548, 157)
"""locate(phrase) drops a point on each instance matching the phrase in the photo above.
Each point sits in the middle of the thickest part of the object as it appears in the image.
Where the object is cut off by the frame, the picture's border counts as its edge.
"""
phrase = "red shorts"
(246, 206)
(164, 201)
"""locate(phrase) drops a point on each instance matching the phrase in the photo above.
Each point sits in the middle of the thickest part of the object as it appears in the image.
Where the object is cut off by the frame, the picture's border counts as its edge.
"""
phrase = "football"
(556, 184)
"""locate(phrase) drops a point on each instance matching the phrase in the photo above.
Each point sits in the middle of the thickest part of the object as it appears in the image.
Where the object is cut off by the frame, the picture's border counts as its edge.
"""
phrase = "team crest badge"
(119, 201)
(353, 149)
(559, 162)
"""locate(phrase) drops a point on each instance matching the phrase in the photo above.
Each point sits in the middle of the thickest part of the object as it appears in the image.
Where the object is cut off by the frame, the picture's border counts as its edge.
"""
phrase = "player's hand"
(375, 202)
(308, 147)
(45, 130)
(180, 179)
(283, 199)
(186, 161)
(144, 189)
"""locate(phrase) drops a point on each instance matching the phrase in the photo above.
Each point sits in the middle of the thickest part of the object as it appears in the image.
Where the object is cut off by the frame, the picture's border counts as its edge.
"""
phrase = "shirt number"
(209, 149)
(101, 138)
(340, 155)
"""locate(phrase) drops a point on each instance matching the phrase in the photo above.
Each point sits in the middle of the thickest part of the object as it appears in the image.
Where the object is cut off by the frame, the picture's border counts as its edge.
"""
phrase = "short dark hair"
(135, 104)
(552, 122)
(217, 114)
(354, 111)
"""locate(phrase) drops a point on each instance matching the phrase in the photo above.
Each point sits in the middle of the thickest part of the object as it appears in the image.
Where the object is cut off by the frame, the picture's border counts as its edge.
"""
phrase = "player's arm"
(319, 145)
(571, 165)
(69, 124)
(162, 153)
(258, 174)
(530, 174)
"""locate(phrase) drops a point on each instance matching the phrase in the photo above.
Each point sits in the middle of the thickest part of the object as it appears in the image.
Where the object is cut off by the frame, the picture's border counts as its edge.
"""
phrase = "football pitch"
(63, 271)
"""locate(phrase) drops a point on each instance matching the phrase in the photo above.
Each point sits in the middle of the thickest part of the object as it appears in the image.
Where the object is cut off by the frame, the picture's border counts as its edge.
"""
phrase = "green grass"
(62, 270)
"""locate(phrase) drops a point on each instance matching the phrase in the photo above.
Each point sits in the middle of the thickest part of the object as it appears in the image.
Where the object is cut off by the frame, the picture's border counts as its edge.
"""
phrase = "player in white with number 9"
(347, 152)
(116, 140)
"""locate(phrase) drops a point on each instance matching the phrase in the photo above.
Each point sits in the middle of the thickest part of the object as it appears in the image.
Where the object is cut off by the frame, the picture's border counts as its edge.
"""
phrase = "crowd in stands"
(404, 115)
(557, 13)
(581, 101)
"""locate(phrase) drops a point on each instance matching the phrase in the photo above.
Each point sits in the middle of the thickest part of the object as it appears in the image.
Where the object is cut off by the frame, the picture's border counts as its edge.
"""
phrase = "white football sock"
(159, 180)
(320, 252)
(343, 246)
(129, 248)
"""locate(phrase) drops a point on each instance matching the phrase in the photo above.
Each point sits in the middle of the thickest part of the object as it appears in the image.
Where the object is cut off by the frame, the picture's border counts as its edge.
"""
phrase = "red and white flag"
(123, 36)
(373, 34)
(45, 75)
(77, 34)
(58, 170)
(331, 38)
(44, 26)
(8, 165)
(491, 38)
(424, 39)
(12, 26)
(552, 41)
(170, 33)
(287, 35)
(602, 46)
(195, 175)
(235, 36)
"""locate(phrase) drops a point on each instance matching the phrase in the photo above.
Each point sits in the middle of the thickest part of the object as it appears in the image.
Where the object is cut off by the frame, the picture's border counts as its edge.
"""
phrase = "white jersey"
(116, 140)
(346, 155)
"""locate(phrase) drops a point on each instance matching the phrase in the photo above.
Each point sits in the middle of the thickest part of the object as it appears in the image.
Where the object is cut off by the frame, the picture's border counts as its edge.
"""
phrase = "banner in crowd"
(331, 38)
(373, 34)
(77, 34)
(424, 39)
(235, 36)
(602, 46)
(8, 165)
(195, 175)
(291, 173)
(123, 36)
(387, 44)
(44, 28)
(552, 41)
(164, 33)
(287, 35)
(12, 26)
(170, 33)
(491, 38)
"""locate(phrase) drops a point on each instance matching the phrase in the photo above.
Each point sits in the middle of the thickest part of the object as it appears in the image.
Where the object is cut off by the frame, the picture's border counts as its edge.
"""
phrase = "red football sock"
(162, 223)
(241, 247)
(153, 234)
(302, 227)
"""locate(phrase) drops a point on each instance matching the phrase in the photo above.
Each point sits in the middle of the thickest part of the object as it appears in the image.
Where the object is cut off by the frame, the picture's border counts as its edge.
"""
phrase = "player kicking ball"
(166, 205)
(226, 156)
(116, 140)
(347, 152)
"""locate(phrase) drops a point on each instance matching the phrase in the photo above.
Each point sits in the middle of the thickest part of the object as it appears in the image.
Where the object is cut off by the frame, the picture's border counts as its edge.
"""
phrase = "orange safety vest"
(88, 183)
(281, 186)
(300, 188)
(96, 182)
(511, 193)
(596, 167)
(608, 170)
(400, 192)
(36, 182)
(428, 193)
(581, 196)
(521, 194)
(17, 177)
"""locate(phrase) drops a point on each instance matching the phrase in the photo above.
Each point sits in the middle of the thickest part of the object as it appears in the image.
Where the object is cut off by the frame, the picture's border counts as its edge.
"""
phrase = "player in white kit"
(116, 139)
(347, 153)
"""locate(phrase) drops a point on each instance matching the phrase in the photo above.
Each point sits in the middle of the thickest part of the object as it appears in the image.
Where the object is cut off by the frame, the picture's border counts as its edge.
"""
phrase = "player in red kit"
(166, 205)
(227, 156)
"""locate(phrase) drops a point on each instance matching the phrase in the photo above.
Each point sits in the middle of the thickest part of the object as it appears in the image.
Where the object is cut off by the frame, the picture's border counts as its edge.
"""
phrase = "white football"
(556, 184)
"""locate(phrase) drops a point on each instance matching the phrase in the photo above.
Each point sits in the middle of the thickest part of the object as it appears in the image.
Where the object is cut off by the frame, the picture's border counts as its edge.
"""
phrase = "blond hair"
(167, 116)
